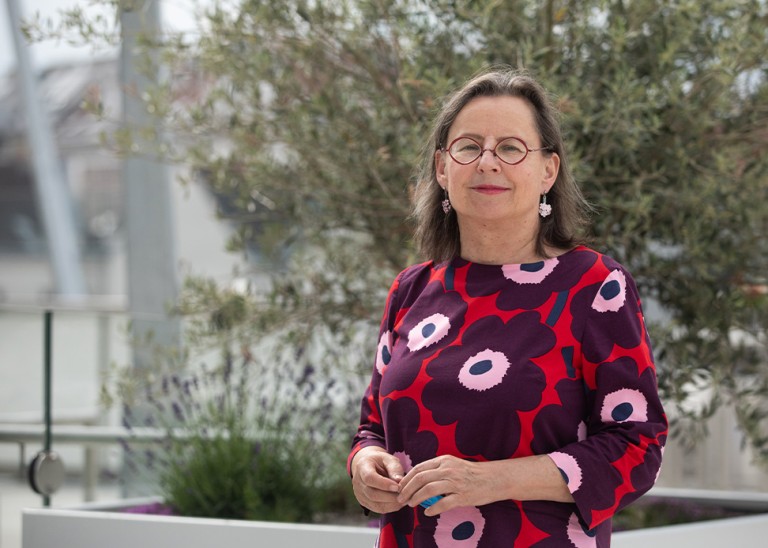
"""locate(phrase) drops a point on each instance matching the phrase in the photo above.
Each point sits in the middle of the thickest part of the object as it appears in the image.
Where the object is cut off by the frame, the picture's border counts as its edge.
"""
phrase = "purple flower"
(177, 412)
(490, 387)
(421, 333)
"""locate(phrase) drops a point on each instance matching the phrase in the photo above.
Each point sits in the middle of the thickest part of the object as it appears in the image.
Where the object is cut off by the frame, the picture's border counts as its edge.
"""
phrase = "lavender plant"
(250, 439)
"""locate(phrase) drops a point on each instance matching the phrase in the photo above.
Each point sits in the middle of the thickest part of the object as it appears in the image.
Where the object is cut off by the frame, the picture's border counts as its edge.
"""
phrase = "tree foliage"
(311, 116)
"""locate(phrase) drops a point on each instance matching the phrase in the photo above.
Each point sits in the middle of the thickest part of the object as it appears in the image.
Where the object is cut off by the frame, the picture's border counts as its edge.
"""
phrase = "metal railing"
(26, 427)
(89, 437)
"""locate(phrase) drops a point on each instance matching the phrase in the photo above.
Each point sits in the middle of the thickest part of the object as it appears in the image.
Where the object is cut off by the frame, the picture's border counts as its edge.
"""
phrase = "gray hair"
(437, 234)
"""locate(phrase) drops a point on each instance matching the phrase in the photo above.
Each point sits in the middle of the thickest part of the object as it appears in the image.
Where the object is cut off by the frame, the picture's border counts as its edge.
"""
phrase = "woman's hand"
(460, 482)
(376, 476)
(467, 483)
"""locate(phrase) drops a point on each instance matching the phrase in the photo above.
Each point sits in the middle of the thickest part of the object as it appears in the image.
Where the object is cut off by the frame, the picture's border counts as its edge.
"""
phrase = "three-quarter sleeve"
(619, 458)
(371, 428)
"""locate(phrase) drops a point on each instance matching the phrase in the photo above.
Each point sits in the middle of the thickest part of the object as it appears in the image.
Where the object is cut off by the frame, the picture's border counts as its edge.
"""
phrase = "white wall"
(717, 462)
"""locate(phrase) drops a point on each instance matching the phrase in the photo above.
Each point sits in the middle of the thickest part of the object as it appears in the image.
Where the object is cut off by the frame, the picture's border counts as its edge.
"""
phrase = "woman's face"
(489, 189)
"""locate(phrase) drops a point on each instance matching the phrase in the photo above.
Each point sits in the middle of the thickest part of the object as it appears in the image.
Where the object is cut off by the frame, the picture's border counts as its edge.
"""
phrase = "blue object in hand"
(430, 501)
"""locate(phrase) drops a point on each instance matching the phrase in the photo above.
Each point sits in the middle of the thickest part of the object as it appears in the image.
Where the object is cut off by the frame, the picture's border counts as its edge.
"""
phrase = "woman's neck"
(499, 246)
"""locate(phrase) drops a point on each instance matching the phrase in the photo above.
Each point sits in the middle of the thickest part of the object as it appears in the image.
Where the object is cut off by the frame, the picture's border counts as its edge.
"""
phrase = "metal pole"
(47, 374)
(53, 197)
(152, 274)
(151, 249)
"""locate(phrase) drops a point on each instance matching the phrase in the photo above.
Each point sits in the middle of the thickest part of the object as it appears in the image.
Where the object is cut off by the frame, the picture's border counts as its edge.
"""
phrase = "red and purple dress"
(489, 362)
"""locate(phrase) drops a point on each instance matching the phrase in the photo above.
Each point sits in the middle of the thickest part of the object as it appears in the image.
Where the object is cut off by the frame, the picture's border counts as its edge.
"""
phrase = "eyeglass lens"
(465, 150)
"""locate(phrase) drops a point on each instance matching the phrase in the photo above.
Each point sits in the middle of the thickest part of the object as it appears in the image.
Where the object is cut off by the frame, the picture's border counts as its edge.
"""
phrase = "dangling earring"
(544, 208)
(446, 203)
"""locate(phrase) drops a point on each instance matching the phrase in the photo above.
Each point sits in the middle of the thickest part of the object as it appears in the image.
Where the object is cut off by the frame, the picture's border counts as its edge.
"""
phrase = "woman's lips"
(489, 189)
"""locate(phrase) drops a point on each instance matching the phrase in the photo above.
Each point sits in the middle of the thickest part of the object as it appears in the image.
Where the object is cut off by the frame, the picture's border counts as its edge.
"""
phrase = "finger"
(430, 489)
(371, 476)
(385, 508)
(378, 496)
(379, 501)
(429, 470)
(442, 505)
(394, 469)
(369, 497)
(431, 464)
(419, 485)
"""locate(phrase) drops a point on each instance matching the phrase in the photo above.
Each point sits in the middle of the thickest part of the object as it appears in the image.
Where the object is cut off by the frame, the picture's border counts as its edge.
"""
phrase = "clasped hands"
(381, 485)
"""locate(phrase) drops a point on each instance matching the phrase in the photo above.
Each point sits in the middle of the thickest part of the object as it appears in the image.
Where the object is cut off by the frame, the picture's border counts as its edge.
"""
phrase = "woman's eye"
(469, 147)
(509, 147)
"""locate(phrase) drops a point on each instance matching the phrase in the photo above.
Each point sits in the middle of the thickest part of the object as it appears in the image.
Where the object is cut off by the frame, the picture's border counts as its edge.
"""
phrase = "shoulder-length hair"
(437, 234)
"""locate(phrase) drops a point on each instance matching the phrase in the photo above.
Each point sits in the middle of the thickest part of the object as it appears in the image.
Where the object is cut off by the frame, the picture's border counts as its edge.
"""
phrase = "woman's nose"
(488, 161)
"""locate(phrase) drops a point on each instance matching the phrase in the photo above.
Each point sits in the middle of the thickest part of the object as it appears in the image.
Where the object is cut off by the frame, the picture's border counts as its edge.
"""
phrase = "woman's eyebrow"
(479, 137)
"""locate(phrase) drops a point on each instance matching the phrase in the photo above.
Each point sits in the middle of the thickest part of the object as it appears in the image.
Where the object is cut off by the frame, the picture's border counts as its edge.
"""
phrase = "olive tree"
(310, 117)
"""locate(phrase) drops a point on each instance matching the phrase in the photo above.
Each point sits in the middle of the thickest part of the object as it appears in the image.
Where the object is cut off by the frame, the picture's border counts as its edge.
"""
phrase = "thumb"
(394, 469)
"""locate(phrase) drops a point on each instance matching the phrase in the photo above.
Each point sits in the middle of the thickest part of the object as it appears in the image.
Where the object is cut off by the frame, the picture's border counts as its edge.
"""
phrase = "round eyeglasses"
(512, 150)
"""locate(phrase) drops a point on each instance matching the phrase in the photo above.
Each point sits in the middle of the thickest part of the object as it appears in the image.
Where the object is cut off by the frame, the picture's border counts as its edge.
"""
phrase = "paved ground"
(15, 494)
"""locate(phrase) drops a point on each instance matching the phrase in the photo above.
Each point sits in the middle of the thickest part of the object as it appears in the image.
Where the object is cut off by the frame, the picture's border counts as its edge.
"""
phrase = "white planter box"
(743, 532)
(99, 526)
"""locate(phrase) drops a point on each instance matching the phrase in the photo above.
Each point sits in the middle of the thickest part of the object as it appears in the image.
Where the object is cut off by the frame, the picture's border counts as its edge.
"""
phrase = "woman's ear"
(551, 169)
(440, 168)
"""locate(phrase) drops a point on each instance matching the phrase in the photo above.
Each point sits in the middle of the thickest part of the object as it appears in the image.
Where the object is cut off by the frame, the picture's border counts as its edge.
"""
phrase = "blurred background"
(188, 185)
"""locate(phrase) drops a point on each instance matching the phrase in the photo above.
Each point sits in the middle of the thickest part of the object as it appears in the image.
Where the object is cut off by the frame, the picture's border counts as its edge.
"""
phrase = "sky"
(177, 14)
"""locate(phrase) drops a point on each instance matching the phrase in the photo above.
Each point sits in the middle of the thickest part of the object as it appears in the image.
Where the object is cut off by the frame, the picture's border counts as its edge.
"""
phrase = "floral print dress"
(488, 362)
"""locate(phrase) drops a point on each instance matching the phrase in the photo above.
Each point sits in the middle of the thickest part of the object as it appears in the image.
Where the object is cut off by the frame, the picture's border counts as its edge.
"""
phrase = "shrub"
(240, 445)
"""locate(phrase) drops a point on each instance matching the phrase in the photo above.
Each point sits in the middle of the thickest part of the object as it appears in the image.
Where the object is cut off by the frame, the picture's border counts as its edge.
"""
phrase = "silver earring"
(544, 208)
(446, 203)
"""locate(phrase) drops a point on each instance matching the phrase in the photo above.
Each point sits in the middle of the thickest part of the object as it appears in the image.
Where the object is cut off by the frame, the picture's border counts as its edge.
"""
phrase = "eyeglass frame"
(493, 150)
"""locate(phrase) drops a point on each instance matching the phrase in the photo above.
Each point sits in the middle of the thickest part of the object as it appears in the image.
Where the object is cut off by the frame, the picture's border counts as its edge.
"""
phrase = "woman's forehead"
(495, 116)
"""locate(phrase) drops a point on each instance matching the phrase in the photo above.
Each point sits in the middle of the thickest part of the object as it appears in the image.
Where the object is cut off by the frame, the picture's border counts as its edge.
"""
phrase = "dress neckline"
(460, 262)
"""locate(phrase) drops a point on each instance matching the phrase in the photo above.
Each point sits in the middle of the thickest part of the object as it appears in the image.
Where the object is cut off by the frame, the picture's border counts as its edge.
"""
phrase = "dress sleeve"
(371, 429)
(619, 458)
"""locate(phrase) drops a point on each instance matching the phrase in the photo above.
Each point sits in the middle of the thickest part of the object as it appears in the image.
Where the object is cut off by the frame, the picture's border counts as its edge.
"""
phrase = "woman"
(513, 400)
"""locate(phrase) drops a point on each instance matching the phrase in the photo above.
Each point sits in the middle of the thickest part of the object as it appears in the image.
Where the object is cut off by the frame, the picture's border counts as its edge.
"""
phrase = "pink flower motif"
(384, 352)
(612, 294)
(460, 527)
(405, 460)
(581, 433)
(428, 331)
(626, 404)
(484, 370)
(578, 536)
(529, 273)
(569, 468)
